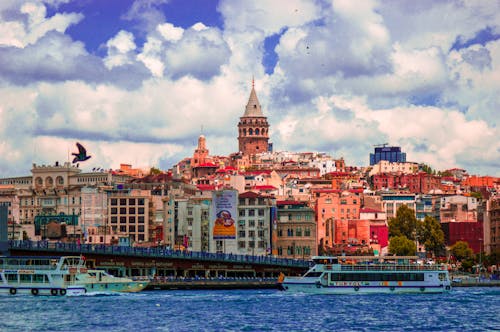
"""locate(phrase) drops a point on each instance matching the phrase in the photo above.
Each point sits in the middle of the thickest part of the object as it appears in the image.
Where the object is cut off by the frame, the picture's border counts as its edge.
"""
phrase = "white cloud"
(169, 32)
(20, 35)
(120, 50)
(349, 75)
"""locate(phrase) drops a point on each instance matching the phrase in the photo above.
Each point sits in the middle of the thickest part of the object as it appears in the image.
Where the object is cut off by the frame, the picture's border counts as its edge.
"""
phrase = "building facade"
(392, 154)
(295, 230)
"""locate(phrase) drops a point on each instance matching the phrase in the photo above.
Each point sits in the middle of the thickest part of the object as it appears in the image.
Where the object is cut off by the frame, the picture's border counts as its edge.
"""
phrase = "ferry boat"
(369, 274)
(59, 276)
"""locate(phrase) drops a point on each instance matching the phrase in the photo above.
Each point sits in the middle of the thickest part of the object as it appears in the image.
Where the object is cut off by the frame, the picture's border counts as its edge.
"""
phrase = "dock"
(212, 283)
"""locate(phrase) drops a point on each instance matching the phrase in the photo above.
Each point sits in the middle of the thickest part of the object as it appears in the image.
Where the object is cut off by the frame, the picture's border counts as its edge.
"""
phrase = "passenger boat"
(369, 274)
(67, 275)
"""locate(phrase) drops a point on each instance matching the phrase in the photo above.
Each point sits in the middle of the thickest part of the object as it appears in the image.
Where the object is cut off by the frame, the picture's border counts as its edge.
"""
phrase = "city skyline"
(138, 81)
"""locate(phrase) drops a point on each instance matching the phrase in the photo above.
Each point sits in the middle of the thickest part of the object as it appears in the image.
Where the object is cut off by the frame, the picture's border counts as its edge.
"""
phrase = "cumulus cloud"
(199, 51)
(34, 26)
(348, 75)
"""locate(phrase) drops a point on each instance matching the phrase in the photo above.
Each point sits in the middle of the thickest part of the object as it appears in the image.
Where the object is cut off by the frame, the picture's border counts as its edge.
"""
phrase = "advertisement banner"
(225, 207)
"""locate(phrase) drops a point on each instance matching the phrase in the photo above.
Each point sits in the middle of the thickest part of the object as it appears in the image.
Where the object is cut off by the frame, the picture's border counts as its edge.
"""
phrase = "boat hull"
(316, 288)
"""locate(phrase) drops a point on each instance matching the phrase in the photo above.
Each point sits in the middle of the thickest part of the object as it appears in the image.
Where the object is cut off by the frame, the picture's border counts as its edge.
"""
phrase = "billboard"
(225, 207)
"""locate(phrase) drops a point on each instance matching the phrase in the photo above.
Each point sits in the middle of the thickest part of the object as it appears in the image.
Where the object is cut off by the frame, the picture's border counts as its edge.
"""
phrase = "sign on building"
(225, 207)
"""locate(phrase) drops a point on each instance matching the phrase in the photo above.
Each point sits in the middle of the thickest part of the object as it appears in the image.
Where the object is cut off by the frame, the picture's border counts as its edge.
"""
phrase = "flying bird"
(81, 155)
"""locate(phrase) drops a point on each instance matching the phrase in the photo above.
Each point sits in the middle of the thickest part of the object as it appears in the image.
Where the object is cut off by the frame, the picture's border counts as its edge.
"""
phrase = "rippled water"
(464, 309)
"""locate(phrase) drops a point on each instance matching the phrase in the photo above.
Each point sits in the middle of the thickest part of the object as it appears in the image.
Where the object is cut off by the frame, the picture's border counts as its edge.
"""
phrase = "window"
(123, 210)
(251, 212)
(298, 231)
(140, 201)
(307, 231)
(242, 213)
(289, 232)
(131, 210)
(241, 223)
(140, 228)
(123, 201)
(123, 228)
(261, 212)
(114, 219)
(114, 210)
(131, 220)
(131, 228)
(123, 220)
(131, 201)
(251, 223)
(140, 210)
(241, 234)
(241, 245)
(242, 201)
(140, 219)
(251, 234)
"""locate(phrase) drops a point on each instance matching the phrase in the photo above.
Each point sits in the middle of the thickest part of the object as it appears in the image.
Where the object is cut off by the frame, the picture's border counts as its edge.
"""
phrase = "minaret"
(253, 129)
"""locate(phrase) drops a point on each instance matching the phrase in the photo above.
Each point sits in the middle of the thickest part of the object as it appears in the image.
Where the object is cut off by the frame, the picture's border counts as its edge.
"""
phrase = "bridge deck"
(82, 249)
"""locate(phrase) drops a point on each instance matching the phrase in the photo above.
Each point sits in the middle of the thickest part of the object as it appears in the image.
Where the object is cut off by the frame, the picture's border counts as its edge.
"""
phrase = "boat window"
(377, 277)
(25, 278)
(312, 274)
(40, 278)
(11, 277)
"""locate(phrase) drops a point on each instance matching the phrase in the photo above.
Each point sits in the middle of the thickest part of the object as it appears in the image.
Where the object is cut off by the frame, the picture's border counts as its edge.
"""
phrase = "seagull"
(81, 155)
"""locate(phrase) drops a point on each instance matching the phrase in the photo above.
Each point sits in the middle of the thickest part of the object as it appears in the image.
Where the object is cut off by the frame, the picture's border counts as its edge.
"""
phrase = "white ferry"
(369, 274)
(67, 275)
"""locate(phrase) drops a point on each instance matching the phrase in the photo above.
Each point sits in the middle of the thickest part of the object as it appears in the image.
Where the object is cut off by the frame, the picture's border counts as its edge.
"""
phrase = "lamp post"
(480, 255)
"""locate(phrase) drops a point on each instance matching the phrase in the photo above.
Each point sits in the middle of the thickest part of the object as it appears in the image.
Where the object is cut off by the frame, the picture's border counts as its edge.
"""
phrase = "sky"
(138, 81)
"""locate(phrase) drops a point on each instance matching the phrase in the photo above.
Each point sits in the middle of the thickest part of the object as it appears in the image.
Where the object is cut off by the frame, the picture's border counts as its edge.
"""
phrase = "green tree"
(426, 168)
(402, 246)
(461, 250)
(431, 235)
(476, 194)
(154, 171)
(405, 223)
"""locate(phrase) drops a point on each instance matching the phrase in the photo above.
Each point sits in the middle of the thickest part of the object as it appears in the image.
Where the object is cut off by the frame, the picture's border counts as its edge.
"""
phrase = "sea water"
(464, 309)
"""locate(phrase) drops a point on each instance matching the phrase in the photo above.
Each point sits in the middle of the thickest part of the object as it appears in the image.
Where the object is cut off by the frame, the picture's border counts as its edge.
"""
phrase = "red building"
(470, 232)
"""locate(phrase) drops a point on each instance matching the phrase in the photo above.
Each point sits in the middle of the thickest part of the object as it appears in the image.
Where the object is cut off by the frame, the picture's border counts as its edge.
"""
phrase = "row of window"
(251, 212)
(295, 250)
(376, 277)
(251, 234)
(251, 223)
(26, 278)
(131, 210)
(252, 201)
(298, 232)
(126, 201)
(129, 219)
(251, 244)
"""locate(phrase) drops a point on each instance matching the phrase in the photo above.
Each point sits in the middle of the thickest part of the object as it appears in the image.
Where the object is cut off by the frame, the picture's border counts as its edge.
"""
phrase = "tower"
(253, 129)
(200, 155)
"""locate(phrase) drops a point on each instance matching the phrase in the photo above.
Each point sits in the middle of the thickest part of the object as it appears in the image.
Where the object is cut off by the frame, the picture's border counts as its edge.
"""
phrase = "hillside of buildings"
(255, 201)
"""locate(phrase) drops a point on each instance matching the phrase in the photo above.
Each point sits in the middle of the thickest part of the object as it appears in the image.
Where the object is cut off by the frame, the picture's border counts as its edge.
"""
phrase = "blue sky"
(136, 80)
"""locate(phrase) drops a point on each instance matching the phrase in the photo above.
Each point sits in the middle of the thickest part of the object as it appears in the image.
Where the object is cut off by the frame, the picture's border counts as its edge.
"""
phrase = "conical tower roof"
(253, 106)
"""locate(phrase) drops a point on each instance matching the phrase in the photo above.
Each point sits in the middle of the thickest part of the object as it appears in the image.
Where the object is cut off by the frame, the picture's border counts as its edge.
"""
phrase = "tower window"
(254, 106)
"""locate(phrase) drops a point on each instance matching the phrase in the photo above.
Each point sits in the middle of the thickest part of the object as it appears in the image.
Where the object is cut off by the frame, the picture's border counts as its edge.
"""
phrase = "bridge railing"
(74, 248)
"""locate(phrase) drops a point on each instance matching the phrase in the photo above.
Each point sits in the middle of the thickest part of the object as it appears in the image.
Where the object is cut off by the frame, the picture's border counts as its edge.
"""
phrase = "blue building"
(392, 154)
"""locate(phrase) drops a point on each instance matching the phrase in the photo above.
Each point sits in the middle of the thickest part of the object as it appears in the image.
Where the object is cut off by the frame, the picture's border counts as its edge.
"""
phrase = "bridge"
(165, 264)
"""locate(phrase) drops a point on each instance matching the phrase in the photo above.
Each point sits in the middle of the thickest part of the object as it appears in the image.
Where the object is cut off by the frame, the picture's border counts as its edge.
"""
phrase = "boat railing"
(391, 267)
(27, 267)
